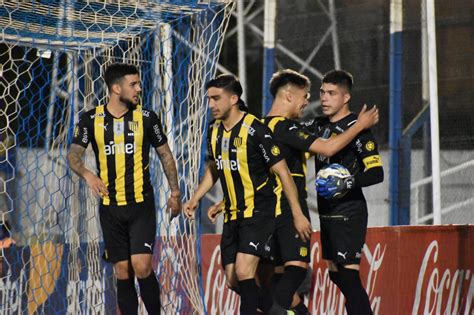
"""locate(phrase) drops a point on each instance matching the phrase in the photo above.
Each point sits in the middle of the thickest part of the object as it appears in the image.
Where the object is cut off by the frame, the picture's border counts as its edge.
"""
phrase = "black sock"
(334, 276)
(265, 299)
(300, 309)
(276, 278)
(248, 297)
(357, 301)
(150, 293)
(288, 284)
(127, 299)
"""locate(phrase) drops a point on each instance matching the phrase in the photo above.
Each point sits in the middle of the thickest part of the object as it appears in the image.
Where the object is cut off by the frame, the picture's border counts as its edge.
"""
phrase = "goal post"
(53, 56)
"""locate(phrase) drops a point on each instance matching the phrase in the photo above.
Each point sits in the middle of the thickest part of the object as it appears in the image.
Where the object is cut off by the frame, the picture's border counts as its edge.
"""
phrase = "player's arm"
(371, 173)
(159, 141)
(75, 157)
(329, 147)
(215, 210)
(76, 163)
(207, 182)
(277, 164)
(169, 167)
(302, 224)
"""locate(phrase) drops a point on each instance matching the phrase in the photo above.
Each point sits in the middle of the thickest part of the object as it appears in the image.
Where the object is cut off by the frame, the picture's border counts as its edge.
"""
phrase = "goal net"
(52, 58)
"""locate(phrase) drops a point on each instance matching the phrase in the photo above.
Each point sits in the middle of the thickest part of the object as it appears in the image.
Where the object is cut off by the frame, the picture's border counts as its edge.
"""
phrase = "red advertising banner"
(405, 270)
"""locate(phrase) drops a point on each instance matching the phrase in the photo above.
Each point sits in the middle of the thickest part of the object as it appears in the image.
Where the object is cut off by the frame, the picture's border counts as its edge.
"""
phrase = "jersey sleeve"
(367, 150)
(266, 145)
(83, 131)
(295, 135)
(155, 131)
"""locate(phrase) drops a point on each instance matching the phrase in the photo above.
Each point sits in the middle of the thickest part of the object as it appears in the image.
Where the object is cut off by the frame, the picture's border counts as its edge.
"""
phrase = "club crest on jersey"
(275, 150)
(133, 125)
(225, 144)
(303, 135)
(237, 142)
(118, 128)
(370, 146)
(303, 251)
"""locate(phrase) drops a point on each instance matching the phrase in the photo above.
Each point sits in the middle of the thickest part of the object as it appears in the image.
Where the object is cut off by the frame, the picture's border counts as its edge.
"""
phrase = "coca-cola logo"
(326, 298)
(402, 274)
(218, 297)
(441, 286)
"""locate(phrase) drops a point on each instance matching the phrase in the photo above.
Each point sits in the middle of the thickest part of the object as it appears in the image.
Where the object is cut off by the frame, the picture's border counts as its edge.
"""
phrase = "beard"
(129, 103)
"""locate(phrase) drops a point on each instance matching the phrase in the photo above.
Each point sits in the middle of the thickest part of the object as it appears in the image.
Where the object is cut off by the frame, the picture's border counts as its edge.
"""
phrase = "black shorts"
(250, 236)
(343, 237)
(288, 246)
(128, 230)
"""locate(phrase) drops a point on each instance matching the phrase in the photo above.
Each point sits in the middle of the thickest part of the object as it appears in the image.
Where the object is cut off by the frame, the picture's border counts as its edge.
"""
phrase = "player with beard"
(243, 156)
(121, 134)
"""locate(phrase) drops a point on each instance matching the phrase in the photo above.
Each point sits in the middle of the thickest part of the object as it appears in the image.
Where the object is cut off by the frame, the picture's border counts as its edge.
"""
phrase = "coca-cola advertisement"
(405, 270)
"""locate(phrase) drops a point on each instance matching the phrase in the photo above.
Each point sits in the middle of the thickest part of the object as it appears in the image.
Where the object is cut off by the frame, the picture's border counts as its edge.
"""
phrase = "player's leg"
(116, 251)
(127, 299)
(245, 269)
(255, 241)
(264, 278)
(295, 255)
(298, 307)
(347, 239)
(142, 231)
(328, 226)
(229, 243)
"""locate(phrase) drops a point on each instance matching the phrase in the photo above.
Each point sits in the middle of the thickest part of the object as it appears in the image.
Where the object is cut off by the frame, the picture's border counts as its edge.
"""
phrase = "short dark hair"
(288, 76)
(231, 84)
(115, 72)
(339, 77)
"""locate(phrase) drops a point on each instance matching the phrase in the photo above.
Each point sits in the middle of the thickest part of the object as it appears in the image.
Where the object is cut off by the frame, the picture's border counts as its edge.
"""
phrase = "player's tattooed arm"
(75, 158)
(169, 166)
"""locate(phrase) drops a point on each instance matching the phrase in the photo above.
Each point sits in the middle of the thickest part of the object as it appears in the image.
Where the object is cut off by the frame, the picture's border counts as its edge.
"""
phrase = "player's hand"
(333, 186)
(368, 118)
(174, 205)
(96, 185)
(214, 211)
(190, 208)
(303, 227)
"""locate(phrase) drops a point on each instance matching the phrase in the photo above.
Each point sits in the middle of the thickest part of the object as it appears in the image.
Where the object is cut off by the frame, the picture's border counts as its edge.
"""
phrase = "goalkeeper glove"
(333, 187)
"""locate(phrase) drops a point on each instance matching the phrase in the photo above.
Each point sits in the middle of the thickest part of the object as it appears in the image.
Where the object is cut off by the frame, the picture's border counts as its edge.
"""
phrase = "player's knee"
(243, 272)
(122, 270)
(142, 269)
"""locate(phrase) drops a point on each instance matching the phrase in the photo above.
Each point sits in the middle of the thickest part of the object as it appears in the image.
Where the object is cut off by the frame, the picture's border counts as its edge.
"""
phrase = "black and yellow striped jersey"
(122, 150)
(358, 157)
(243, 156)
(294, 140)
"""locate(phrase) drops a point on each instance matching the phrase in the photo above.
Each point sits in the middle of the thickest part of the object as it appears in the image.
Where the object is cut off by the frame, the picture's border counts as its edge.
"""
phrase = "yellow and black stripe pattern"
(121, 146)
(294, 140)
(243, 156)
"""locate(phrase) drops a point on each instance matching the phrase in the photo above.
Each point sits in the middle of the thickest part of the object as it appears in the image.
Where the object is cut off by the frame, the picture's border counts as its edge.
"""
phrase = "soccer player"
(121, 133)
(290, 91)
(242, 155)
(344, 220)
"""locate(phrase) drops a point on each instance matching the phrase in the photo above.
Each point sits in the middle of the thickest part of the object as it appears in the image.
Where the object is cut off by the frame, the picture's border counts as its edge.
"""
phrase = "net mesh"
(52, 58)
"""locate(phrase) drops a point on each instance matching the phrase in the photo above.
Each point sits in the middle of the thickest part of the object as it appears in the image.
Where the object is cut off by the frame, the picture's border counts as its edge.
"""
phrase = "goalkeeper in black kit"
(341, 203)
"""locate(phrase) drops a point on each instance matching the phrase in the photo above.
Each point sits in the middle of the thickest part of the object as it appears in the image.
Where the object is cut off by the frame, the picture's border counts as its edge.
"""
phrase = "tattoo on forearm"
(75, 155)
(169, 166)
